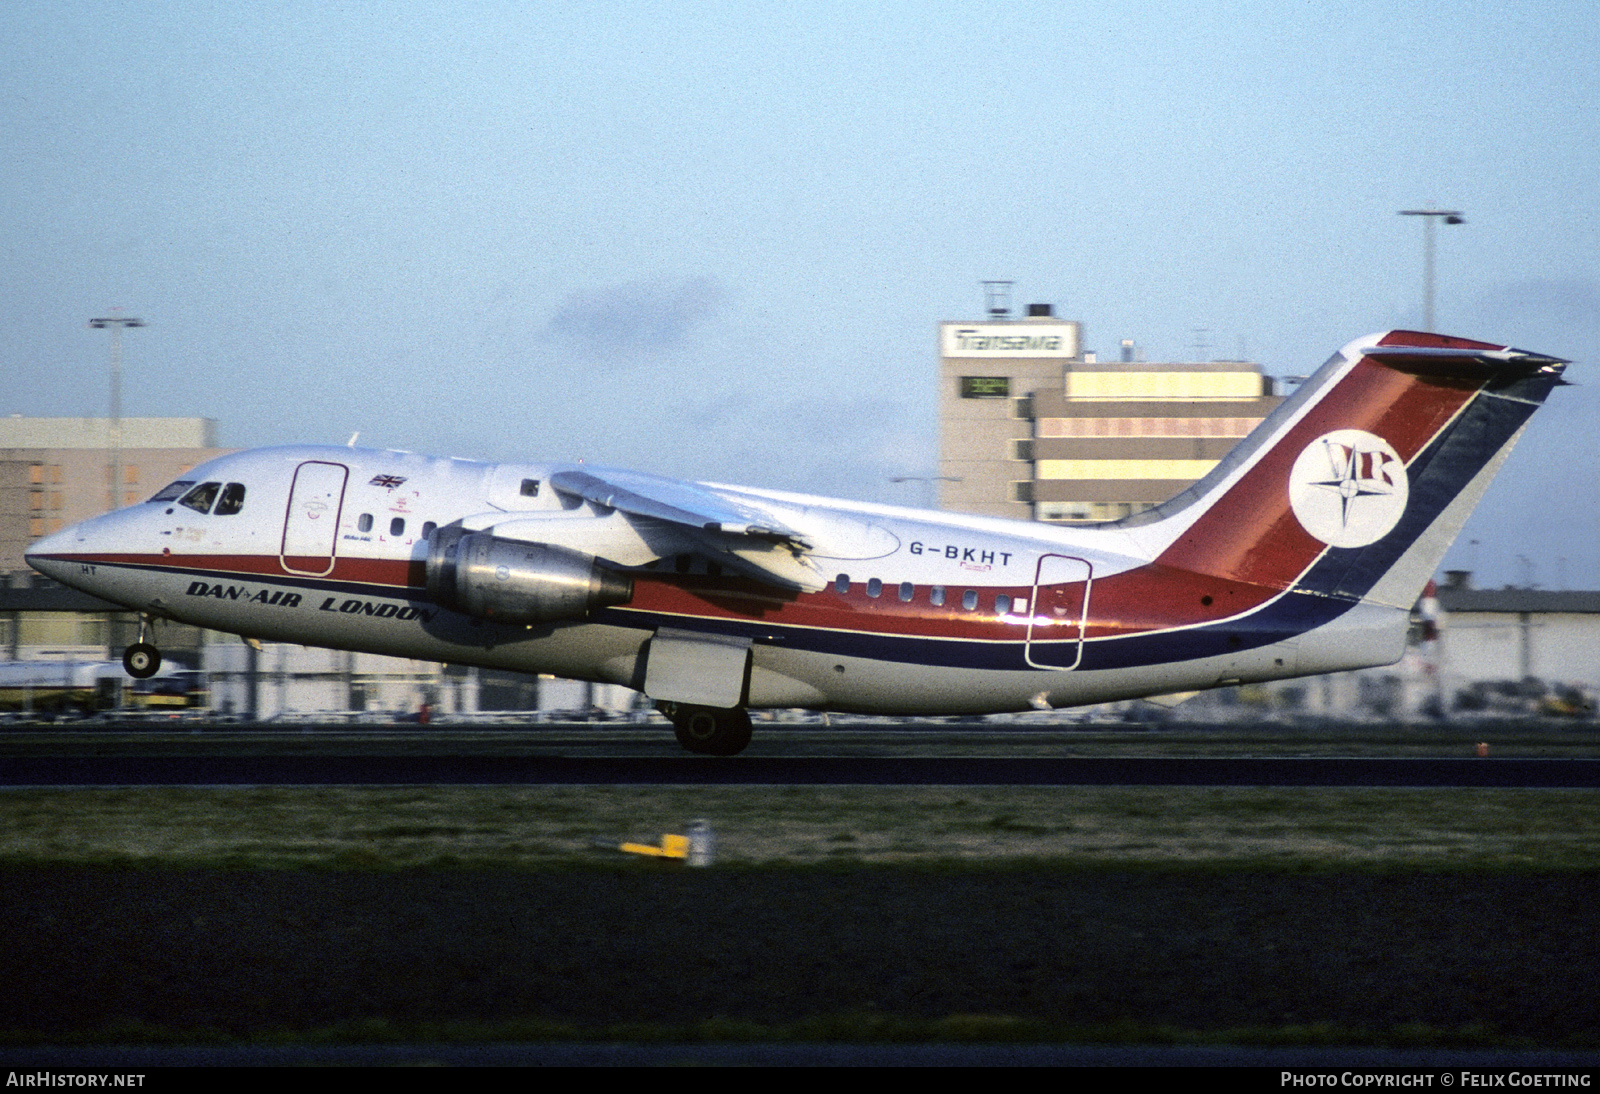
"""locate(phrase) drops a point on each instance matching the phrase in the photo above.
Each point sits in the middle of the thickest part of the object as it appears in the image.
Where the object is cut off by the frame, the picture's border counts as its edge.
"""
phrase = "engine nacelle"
(510, 581)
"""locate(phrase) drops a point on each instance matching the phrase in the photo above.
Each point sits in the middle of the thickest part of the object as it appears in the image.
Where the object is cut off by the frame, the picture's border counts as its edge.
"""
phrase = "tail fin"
(1356, 486)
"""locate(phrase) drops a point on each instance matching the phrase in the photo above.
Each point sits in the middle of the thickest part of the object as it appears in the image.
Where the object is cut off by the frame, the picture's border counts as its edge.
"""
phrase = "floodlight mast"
(1451, 216)
(115, 323)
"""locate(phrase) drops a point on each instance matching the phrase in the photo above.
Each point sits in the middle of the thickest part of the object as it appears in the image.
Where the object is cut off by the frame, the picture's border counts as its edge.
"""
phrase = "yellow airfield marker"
(671, 847)
(698, 848)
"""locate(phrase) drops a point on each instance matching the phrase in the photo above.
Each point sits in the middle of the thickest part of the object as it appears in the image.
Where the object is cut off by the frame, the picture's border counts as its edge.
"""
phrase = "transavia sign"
(1008, 339)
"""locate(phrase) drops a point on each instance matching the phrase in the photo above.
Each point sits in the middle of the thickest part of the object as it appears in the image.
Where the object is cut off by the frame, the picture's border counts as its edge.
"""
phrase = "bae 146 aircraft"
(1302, 552)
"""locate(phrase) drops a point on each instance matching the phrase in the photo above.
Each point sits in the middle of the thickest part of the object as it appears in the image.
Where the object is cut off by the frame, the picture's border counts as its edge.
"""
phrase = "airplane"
(1301, 552)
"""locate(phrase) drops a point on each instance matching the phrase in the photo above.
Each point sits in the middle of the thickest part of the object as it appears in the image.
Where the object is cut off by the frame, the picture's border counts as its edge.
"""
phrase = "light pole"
(1451, 216)
(116, 323)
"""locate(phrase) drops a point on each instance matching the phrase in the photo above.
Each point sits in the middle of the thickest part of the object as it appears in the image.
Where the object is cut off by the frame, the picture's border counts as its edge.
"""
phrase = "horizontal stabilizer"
(1464, 360)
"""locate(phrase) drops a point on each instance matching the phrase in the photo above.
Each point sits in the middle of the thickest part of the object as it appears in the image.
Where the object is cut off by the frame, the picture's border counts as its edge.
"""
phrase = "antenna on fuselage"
(351, 443)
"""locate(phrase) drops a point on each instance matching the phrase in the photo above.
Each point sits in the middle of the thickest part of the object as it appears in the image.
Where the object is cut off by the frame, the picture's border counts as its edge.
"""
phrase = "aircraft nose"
(45, 554)
(62, 555)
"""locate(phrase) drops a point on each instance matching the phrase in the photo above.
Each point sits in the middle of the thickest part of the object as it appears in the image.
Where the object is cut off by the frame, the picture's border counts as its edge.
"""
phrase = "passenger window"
(232, 499)
(429, 528)
(530, 488)
(173, 490)
(874, 587)
(1002, 604)
(364, 522)
(936, 596)
(200, 498)
(907, 591)
(969, 600)
(397, 526)
(841, 584)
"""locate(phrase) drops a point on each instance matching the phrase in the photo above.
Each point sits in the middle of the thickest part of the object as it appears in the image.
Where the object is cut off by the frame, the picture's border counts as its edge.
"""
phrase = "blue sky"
(714, 240)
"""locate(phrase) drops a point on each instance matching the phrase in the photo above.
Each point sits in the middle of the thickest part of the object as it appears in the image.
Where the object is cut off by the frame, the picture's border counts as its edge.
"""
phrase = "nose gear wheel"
(141, 660)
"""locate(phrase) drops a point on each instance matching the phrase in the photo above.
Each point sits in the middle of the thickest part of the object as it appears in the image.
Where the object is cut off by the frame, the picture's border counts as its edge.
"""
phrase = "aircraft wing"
(675, 502)
(745, 536)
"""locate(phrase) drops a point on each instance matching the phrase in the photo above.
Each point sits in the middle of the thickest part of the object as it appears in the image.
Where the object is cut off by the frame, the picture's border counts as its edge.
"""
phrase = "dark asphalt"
(1405, 958)
(792, 771)
(145, 1058)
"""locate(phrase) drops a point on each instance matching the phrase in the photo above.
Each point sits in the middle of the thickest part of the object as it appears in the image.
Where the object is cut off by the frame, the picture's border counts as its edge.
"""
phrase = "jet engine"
(512, 581)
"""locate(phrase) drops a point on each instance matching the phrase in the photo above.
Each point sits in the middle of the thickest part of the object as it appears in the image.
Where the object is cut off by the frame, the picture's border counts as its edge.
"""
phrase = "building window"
(1103, 469)
(1142, 428)
(1022, 450)
(1064, 510)
(1162, 384)
(985, 387)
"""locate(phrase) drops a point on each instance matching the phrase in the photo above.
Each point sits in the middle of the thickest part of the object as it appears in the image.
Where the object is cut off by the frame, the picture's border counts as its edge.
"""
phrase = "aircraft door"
(311, 525)
(1060, 607)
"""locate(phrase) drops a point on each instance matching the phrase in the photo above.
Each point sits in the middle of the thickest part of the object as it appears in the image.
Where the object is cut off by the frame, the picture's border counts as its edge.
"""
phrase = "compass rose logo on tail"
(1348, 488)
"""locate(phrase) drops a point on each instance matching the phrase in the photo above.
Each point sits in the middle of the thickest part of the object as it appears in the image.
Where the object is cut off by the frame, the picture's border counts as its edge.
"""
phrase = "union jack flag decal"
(391, 481)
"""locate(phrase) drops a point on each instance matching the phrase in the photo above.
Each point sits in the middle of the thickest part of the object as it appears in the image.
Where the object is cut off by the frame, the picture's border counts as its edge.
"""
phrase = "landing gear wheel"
(142, 660)
(709, 731)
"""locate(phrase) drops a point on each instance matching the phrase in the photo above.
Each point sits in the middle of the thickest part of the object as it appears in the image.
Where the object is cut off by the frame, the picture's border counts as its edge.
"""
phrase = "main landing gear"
(709, 731)
(142, 660)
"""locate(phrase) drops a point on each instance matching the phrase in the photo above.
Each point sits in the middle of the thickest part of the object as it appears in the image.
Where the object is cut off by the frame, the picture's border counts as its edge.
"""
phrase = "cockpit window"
(173, 490)
(232, 499)
(200, 498)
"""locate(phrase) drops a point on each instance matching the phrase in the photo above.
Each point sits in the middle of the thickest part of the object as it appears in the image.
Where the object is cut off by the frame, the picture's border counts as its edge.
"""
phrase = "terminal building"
(1034, 427)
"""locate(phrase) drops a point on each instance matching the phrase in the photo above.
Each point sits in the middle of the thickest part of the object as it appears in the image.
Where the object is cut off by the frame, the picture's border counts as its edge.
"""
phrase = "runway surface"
(874, 754)
(444, 769)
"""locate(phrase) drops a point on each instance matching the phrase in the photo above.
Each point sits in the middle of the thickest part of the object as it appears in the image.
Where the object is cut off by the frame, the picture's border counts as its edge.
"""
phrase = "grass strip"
(400, 828)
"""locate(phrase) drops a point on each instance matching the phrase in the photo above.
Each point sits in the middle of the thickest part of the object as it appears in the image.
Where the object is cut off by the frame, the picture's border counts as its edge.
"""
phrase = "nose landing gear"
(142, 660)
(709, 731)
